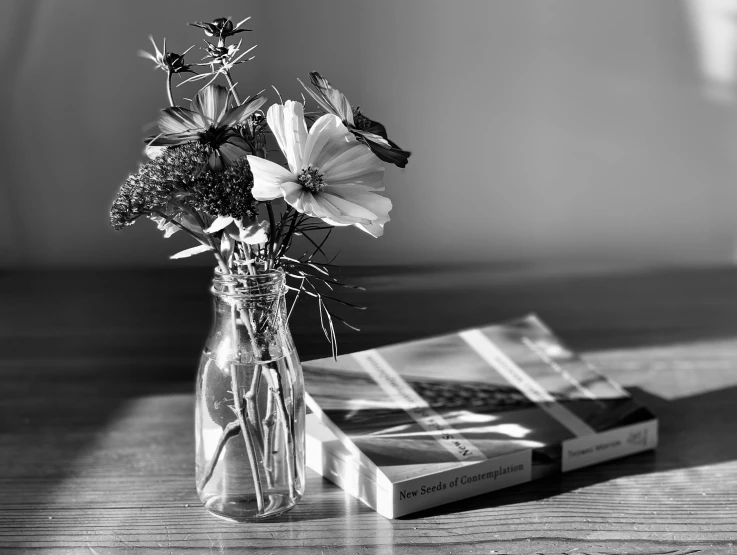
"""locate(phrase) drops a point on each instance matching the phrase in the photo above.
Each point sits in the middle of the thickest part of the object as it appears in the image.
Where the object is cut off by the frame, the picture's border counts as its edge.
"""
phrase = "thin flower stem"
(168, 88)
(232, 87)
(272, 238)
(284, 218)
(268, 427)
(230, 431)
(249, 260)
(272, 376)
(251, 399)
(287, 238)
(252, 435)
(292, 380)
(252, 414)
(247, 432)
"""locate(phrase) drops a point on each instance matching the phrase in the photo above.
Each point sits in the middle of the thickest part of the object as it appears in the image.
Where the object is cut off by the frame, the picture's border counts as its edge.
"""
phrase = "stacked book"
(418, 424)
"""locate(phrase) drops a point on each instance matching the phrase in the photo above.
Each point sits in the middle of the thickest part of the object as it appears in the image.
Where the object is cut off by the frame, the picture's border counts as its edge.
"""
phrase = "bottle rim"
(269, 283)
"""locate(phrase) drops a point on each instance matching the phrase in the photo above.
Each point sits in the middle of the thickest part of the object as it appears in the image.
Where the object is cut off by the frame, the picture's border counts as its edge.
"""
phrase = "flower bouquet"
(209, 177)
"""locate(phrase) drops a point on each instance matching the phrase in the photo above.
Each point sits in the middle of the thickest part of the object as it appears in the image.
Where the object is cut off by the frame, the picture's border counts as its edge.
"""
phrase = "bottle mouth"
(263, 284)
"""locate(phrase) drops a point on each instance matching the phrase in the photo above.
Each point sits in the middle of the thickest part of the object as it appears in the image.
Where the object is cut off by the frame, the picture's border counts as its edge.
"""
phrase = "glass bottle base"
(244, 508)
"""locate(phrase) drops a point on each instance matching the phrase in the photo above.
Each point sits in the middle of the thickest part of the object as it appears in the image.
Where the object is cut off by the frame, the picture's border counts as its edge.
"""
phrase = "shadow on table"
(693, 431)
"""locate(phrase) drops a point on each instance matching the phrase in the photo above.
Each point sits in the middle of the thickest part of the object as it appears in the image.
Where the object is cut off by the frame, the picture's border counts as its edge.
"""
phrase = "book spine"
(346, 472)
(619, 442)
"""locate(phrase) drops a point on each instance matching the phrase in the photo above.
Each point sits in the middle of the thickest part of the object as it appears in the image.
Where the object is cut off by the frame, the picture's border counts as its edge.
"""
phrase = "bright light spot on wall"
(714, 23)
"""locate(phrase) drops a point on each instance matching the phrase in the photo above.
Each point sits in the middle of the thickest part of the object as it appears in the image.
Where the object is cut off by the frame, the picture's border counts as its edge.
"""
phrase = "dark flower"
(369, 132)
(156, 182)
(211, 122)
(220, 54)
(168, 61)
(175, 176)
(221, 27)
(227, 193)
(225, 56)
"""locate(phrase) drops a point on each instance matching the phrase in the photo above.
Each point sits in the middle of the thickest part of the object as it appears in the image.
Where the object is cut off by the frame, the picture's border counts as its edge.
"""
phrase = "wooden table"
(96, 416)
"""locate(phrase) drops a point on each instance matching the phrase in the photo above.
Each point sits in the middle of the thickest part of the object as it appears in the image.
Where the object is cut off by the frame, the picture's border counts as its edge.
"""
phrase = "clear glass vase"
(250, 412)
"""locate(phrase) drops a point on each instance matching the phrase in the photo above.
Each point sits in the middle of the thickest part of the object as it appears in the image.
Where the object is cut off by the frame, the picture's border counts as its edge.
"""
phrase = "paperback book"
(418, 424)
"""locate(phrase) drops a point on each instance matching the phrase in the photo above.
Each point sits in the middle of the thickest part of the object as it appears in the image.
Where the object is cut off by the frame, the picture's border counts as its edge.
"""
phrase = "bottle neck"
(250, 315)
(246, 288)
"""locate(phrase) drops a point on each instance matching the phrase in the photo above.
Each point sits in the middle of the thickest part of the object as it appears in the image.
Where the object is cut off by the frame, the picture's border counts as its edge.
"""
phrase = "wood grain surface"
(96, 415)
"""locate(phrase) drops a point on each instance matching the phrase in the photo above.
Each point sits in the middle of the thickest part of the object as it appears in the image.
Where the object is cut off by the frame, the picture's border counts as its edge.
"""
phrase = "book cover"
(418, 424)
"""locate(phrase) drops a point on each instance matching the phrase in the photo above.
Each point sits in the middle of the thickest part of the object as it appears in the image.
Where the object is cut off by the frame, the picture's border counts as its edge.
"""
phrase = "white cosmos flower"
(331, 175)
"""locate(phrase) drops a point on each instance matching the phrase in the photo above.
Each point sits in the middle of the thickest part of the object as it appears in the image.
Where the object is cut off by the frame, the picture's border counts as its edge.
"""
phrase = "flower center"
(213, 136)
(311, 179)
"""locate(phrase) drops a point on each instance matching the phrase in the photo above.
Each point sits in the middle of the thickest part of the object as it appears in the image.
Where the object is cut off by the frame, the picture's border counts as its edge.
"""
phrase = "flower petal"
(179, 120)
(170, 140)
(154, 152)
(373, 127)
(267, 178)
(255, 233)
(317, 205)
(321, 100)
(287, 122)
(275, 119)
(375, 204)
(239, 114)
(307, 203)
(144, 54)
(370, 181)
(378, 205)
(371, 137)
(355, 163)
(341, 157)
(375, 228)
(289, 187)
(156, 48)
(167, 226)
(295, 197)
(322, 209)
(231, 153)
(328, 138)
(387, 151)
(238, 141)
(215, 161)
(211, 102)
(220, 223)
(350, 189)
(333, 97)
(349, 210)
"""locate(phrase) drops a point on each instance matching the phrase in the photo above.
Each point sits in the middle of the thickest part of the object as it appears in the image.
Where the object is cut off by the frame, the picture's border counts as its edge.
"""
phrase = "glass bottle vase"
(250, 412)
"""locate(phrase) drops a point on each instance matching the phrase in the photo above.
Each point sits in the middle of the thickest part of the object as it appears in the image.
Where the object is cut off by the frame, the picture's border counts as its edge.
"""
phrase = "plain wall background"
(540, 130)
